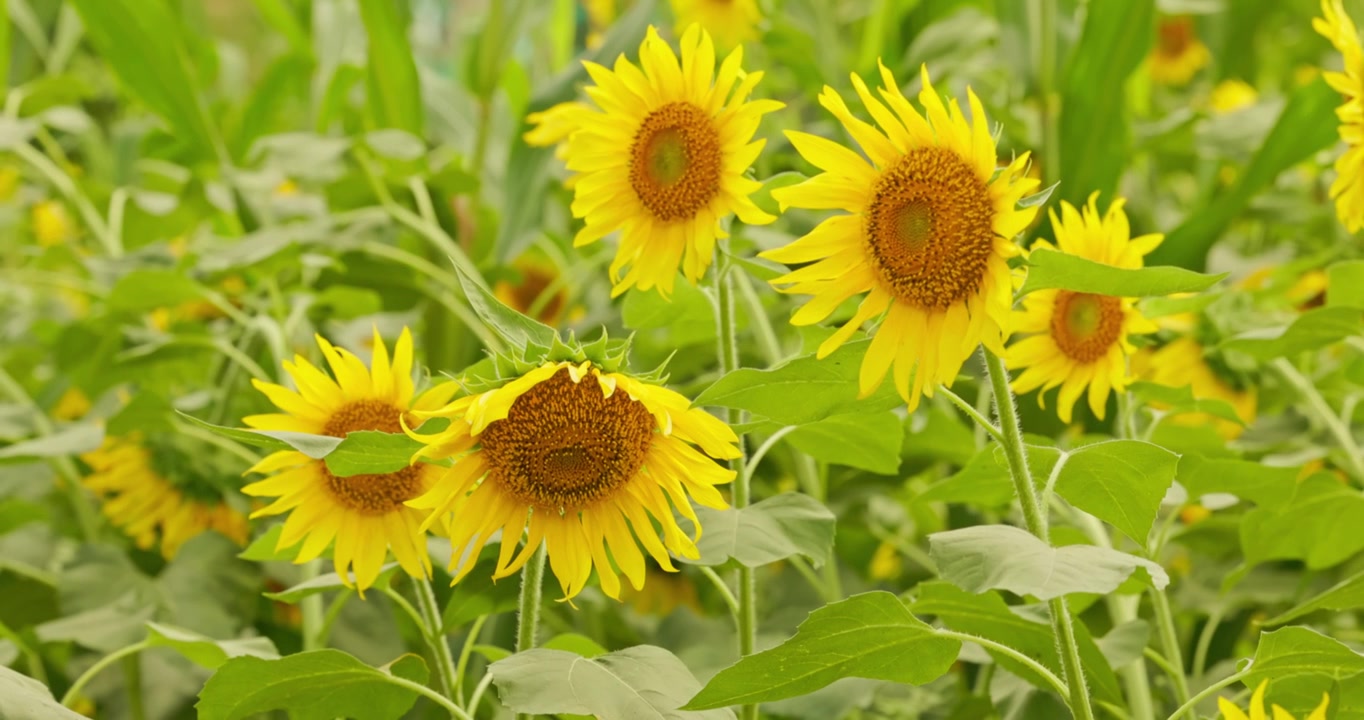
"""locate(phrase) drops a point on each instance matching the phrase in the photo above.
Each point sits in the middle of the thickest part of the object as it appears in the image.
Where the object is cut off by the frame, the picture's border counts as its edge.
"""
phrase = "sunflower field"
(682, 359)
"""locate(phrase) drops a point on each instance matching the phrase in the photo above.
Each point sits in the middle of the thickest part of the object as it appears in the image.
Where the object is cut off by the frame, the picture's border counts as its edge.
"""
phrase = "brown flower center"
(564, 446)
(930, 228)
(1084, 325)
(370, 494)
(675, 161)
(523, 296)
(1175, 36)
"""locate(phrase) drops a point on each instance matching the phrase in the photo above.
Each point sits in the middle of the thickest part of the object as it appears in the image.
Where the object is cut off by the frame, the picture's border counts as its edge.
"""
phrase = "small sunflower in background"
(1348, 190)
(540, 292)
(731, 22)
(1229, 710)
(1080, 340)
(1185, 362)
(364, 515)
(1178, 54)
(159, 493)
(52, 224)
(929, 231)
(587, 461)
(662, 158)
(1231, 95)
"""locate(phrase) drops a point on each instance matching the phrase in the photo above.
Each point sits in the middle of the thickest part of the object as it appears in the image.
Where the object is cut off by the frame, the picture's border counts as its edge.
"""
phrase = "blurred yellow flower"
(1232, 95)
(665, 159)
(886, 563)
(1348, 188)
(1178, 54)
(730, 22)
(928, 234)
(52, 225)
(1182, 363)
(72, 405)
(9, 182)
(663, 592)
(1257, 707)
(1078, 340)
(538, 277)
(600, 15)
(286, 188)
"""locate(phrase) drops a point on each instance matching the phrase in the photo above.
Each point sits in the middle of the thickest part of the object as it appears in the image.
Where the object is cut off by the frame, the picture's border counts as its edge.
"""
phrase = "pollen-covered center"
(675, 161)
(930, 228)
(1085, 325)
(563, 445)
(370, 494)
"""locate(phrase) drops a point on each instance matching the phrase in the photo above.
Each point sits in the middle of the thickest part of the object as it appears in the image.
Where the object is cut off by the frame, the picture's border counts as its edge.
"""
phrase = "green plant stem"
(73, 693)
(1325, 415)
(1160, 662)
(482, 687)
(324, 633)
(431, 619)
(465, 651)
(67, 187)
(970, 411)
(132, 676)
(1207, 693)
(528, 608)
(725, 593)
(430, 694)
(728, 347)
(32, 658)
(450, 301)
(1037, 524)
(1055, 682)
(1169, 641)
(1200, 658)
(768, 344)
(311, 609)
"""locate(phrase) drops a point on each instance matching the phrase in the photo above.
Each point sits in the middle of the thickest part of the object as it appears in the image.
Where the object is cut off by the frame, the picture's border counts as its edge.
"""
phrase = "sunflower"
(1178, 54)
(1257, 707)
(539, 277)
(1232, 95)
(364, 514)
(158, 492)
(664, 159)
(1078, 340)
(730, 22)
(1184, 363)
(583, 460)
(928, 239)
(551, 127)
(1347, 189)
(52, 224)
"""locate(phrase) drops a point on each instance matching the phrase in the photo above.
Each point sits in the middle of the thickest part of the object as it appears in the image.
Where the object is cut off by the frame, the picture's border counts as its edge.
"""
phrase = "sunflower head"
(1080, 340)
(159, 492)
(364, 515)
(1229, 710)
(588, 462)
(662, 157)
(539, 291)
(1348, 187)
(927, 235)
(1184, 362)
(1178, 54)
(730, 22)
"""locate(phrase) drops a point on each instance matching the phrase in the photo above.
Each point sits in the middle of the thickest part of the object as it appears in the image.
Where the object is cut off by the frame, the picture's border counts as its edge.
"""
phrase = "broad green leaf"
(370, 452)
(1297, 650)
(1125, 643)
(315, 685)
(142, 42)
(765, 532)
(983, 482)
(515, 329)
(1120, 482)
(1093, 121)
(1345, 284)
(638, 683)
(326, 582)
(576, 644)
(825, 388)
(1261, 484)
(395, 98)
(1311, 330)
(262, 549)
(1002, 557)
(688, 317)
(144, 290)
(1180, 400)
(17, 512)
(147, 412)
(491, 47)
(1319, 526)
(1347, 594)
(988, 616)
(255, 438)
(478, 594)
(1306, 126)
(281, 18)
(1049, 269)
(70, 440)
(207, 652)
(868, 442)
(872, 635)
(23, 698)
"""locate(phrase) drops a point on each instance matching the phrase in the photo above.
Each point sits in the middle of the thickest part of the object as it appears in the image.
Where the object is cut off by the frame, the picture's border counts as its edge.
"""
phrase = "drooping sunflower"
(1257, 707)
(364, 514)
(1178, 54)
(928, 238)
(156, 492)
(664, 157)
(539, 289)
(584, 461)
(1078, 340)
(1184, 362)
(730, 22)
(1348, 188)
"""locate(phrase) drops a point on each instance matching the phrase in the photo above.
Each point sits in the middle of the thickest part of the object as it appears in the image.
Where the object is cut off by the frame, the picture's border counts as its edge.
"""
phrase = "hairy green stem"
(465, 651)
(1055, 682)
(725, 593)
(1207, 693)
(73, 693)
(311, 609)
(32, 657)
(1200, 658)
(1169, 640)
(1037, 524)
(528, 608)
(132, 677)
(430, 694)
(970, 411)
(431, 619)
(1339, 430)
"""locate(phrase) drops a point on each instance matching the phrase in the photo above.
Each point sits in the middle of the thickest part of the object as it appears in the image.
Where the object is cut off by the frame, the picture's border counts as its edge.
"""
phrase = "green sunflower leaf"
(205, 651)
(1311, 330)
(1348, 594)
(1345, 284)
(23, 698)
(869, 442)
(1048, 269)
(1264, 485)
(70, 440)
(1320, 525)
(1002, 557)
(144, 290)
(1180, 400)
(517, 330)
(765, 532)
(326, 582)
(362, 452)
(316, 685)
(478, 594)
(638, 682)
(872, 635)
(395, 98)
(1120, 482)
(1297, 650)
